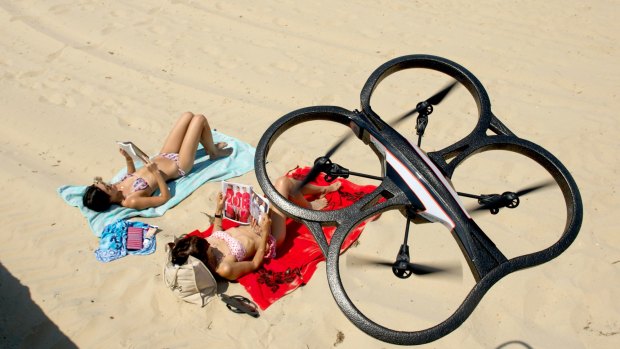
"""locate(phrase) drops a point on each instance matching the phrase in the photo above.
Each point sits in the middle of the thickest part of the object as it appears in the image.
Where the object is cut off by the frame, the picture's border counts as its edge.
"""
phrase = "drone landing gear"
(402, 268)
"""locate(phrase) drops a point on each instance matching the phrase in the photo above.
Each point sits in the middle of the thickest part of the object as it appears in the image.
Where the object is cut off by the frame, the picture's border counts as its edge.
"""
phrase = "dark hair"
(96, 199)
(189, 246)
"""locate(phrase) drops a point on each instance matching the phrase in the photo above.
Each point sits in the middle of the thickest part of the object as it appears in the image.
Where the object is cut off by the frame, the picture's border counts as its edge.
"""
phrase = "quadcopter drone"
(417, 184)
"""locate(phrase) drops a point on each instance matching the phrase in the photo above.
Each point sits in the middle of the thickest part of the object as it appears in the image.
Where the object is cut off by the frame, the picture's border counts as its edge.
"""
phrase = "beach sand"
(77, 76)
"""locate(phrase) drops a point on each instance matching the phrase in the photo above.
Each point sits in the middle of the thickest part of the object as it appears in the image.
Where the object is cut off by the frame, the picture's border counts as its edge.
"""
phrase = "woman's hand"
(124, 153)
(265, 226)
(219, 203)
(152, 167)
(264, 230)
(131, 167)
(254, 226)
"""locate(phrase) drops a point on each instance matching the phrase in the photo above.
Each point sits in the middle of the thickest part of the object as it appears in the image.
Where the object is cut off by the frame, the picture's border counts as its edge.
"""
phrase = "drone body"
(416, 184)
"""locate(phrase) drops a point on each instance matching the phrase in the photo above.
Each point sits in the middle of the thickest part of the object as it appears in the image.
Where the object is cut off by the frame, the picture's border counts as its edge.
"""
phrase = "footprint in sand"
(287, 66)
(54, 98)
(59, 9)
(30, 74)
(123, 121)
(53, 56)
(120, 13)
(313, 83)
(154, 10)
(157, 29)
(228, 63)
(112, 28)
(211, 50)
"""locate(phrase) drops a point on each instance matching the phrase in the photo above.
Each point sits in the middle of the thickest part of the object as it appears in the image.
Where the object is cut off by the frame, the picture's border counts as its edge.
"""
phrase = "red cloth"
(298, 256)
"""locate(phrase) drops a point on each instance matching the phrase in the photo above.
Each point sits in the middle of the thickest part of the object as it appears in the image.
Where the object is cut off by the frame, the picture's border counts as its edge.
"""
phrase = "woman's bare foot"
(220, 151)
(319, 203)
(332, 187)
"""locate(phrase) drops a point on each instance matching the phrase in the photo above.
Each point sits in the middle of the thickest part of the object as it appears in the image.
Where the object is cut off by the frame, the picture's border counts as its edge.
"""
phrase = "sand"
(77, 76)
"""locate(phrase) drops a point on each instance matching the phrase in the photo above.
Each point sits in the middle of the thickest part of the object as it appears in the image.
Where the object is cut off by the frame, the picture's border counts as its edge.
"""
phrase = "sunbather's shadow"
(200, 160)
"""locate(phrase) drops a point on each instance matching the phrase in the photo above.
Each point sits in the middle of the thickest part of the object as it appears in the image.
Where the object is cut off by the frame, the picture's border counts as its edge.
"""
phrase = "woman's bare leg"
(312, 189)
(278, 219)
(284, 185)
(309, 189)
(215, 150)
(199, 131)
(177, 134)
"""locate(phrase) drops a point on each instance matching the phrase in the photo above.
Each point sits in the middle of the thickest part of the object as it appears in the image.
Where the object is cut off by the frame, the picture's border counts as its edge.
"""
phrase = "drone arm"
(480, 252)
(317, 231)
(498, 127)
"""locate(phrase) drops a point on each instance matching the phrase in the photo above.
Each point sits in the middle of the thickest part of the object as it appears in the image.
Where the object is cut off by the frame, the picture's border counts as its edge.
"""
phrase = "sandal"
(239, 304)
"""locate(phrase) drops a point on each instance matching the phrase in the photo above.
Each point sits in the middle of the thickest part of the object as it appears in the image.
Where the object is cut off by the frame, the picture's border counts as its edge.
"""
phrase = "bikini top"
(235, 247)
(139, 184)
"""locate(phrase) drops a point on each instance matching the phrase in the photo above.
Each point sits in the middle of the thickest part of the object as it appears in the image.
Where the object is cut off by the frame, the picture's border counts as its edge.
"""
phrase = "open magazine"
(241, 203)
(132, 150)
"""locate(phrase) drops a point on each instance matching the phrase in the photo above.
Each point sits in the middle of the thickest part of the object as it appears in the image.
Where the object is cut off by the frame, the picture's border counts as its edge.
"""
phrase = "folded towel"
(205, 170)
(113, 242)
(298, 256)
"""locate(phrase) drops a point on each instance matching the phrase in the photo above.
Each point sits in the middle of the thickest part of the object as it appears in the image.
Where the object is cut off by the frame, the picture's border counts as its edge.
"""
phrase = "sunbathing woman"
(241, 250)
(176, 158)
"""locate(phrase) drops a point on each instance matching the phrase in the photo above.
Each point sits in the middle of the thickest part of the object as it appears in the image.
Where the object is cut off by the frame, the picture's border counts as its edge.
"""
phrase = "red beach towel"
(299, 255)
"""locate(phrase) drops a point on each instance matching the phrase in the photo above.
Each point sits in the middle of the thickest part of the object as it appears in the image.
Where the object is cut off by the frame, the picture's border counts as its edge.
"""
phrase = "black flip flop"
(239, 304)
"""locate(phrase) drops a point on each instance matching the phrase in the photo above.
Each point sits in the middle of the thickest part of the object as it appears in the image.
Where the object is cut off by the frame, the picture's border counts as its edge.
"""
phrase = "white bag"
(192, 281)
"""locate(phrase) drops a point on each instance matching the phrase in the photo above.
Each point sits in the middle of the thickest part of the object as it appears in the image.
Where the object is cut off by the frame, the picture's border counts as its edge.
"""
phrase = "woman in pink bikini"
(241, 250)
(176, 158)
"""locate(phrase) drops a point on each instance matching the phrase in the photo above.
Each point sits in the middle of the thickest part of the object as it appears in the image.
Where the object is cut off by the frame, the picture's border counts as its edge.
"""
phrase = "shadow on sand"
(516, 344)
(22, 323)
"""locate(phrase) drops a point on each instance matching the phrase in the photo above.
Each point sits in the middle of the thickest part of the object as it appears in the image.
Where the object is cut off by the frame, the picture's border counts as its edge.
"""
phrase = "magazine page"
(241, 203)
(237, 201)
(259, 205)
(132, 150)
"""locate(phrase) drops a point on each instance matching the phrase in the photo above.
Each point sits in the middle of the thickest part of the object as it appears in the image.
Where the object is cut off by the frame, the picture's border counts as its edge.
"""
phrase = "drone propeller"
(422, 106)
(493, 202)
(536, 187)
(323, 163)
(415, 268)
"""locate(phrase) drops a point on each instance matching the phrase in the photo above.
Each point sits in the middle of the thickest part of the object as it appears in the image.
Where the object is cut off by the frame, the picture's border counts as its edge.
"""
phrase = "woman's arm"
(219, 207)
(235, 270)
(131, 167)
(265, 229)
(141, 202)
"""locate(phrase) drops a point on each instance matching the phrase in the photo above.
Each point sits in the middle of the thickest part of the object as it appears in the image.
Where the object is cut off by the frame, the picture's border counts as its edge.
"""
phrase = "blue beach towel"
(205, 170)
